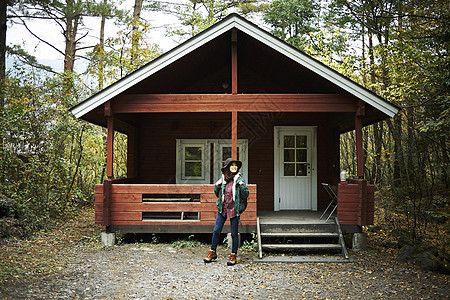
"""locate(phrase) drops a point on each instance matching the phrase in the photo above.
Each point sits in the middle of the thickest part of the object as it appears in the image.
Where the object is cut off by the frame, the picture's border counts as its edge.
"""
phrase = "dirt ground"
(70, 263)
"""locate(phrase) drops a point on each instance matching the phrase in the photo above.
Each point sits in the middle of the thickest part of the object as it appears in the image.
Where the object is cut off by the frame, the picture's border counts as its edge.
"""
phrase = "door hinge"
(279, 200)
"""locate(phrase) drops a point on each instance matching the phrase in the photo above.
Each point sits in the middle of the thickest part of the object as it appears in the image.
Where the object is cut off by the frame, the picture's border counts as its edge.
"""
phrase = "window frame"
(243, 151)
(217, 148)
(181, 177)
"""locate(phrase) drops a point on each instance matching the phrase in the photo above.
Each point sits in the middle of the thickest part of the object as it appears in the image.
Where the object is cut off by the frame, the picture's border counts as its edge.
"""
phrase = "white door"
(295, 168)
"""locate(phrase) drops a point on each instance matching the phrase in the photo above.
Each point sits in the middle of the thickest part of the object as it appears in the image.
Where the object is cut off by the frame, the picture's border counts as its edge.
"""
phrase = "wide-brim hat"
(229, 161)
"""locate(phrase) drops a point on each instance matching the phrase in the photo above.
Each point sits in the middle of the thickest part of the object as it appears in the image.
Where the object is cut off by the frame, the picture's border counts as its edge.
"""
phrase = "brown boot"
(232, 260)
(210, 257)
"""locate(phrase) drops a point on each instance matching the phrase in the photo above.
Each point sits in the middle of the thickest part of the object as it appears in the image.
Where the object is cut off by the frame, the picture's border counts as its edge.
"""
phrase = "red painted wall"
(158, 134)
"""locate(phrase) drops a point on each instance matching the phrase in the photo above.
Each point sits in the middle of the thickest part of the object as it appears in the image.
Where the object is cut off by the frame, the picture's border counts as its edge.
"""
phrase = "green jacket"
(240, 193)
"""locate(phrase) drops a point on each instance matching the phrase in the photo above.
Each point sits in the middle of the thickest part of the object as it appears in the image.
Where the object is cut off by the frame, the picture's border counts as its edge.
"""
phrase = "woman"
(232, 193)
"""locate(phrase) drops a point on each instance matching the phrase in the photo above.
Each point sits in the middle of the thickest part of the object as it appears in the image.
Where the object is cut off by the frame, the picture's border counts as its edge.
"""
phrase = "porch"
(191, 208)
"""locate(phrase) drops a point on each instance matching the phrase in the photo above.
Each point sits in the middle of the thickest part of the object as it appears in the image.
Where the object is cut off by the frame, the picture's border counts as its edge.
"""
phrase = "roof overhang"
(234, 21)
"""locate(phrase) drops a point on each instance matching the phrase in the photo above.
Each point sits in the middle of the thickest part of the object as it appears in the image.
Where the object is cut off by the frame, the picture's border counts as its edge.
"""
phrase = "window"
(198, 159)
(226, 153)
(223, 151)
(192, 163)
(295, 155)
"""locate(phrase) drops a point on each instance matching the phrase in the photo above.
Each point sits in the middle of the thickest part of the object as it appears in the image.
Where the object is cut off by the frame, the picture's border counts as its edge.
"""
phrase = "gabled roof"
(234, 21)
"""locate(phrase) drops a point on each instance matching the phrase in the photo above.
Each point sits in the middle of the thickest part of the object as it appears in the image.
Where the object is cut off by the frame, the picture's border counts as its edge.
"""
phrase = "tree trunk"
(395, 128)
(101, 49)
(378, 140)
(70, 49)
(2, 50)
(2, 79)
(135, 37)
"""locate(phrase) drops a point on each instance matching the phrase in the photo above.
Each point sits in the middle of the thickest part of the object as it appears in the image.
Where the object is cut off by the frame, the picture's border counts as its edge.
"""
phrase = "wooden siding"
(158, 134)
(356, 203)
(126, 205)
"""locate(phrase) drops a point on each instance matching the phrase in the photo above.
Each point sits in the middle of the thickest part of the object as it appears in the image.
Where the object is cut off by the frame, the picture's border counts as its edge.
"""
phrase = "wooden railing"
(162, 204)
(355, 203)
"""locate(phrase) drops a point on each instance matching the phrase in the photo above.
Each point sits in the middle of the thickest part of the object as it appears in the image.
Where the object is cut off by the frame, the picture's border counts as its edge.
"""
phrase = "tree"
(135, 35)
(293, 21)
(197, 15)
(408, 64)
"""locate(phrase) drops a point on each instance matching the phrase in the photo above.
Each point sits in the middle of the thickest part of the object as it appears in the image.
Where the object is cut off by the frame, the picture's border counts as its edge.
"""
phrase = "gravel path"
(146, 271)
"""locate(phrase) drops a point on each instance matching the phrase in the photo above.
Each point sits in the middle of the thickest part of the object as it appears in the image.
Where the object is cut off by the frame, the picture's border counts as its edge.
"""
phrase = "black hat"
(228, 163)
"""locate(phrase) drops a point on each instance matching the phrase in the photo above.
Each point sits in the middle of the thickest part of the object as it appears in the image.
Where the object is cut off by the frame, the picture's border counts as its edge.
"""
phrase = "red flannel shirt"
(228, 210)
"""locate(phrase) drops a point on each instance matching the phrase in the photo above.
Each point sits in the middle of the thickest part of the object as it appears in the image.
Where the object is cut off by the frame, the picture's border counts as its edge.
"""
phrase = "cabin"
(234, 90)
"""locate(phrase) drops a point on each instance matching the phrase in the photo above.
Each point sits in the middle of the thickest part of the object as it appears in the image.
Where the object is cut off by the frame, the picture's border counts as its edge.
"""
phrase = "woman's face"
(233, 168)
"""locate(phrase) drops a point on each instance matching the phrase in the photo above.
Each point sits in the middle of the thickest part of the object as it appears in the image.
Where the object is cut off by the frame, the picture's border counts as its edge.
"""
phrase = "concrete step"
(303, 259)
(301, 246)
(303, 228)
(300, 234)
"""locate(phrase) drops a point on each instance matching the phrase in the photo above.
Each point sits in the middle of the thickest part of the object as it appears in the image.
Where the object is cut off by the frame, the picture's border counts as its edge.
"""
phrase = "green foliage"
(118, 57)
(195, 16)
(293, 21)
(183, 243)
(252, 245)
(407, 63)
(44, 149)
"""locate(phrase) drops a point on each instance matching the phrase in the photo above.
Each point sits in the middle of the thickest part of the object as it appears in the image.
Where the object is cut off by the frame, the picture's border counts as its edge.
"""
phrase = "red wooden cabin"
(232, 90)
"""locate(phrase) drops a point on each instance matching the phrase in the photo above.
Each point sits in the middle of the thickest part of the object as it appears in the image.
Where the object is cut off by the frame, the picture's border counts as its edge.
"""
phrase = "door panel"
(294, 168)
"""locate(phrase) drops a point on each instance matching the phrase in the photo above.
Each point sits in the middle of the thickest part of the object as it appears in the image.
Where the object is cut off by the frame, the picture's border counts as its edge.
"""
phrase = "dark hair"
(228, 175)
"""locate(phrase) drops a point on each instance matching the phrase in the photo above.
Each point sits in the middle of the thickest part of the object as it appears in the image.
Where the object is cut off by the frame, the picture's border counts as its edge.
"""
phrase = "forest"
(50, 161)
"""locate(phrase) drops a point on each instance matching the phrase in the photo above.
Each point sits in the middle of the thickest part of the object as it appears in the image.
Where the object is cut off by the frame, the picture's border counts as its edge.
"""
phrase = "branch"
(86, 47)
(79, 39)
(28, 59)
(36, 36)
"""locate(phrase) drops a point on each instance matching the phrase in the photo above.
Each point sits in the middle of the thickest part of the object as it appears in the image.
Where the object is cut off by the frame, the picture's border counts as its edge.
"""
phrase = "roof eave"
(234, 21)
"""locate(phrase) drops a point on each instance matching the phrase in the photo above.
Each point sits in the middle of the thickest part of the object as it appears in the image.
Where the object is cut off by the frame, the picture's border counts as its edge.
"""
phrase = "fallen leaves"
(43, 252)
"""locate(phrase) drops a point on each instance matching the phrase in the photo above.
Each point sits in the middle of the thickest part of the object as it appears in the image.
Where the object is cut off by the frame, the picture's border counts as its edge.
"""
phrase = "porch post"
(109, 140)
(234, 90)
(359, 140)
(234, 134)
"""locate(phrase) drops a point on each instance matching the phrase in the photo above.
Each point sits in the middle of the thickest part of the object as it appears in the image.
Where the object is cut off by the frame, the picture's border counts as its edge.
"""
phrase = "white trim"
(277, 171)
(234, 21)
(181, 144)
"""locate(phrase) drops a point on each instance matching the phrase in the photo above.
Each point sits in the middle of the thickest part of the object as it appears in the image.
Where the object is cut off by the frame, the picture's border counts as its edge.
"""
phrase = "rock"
(406, 254)
(393, 244)
(359, 242)
(427, 261)
(6, 207)
(10, 227)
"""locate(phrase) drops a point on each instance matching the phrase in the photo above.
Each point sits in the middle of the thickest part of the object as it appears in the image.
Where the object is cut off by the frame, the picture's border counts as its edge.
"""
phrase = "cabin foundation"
(359, 241)
(230, 240)
(108, 239)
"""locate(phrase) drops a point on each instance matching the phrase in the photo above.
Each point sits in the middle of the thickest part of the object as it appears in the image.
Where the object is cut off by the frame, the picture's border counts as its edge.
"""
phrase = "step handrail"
(258, 233)
(341, 239)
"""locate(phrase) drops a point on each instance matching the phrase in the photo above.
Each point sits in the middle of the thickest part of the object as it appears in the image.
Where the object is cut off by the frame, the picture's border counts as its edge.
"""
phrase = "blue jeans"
(234, 222)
